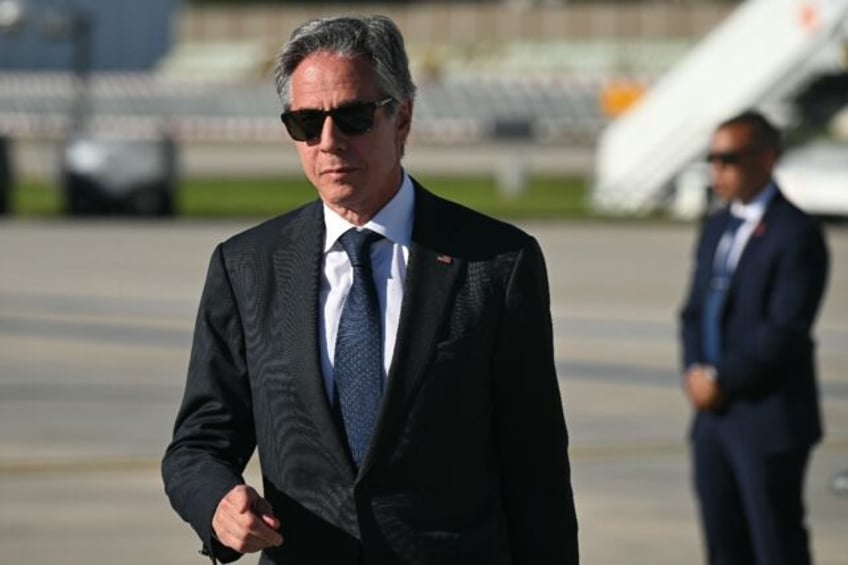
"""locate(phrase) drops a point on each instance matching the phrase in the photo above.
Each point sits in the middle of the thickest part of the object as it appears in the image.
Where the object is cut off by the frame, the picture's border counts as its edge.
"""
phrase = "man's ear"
(769, 159)
(403, 121)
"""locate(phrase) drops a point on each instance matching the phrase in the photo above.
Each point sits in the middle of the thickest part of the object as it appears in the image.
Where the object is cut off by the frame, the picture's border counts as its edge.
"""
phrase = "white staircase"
(763, 52)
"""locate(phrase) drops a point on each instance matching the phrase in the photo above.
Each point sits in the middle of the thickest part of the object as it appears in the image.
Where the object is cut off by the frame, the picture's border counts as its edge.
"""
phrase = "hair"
(763, 132)
(375, 38)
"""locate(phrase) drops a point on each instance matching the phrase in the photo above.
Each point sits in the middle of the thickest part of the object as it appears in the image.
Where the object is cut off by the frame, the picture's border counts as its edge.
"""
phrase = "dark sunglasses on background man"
(351, 119)
(730, 158)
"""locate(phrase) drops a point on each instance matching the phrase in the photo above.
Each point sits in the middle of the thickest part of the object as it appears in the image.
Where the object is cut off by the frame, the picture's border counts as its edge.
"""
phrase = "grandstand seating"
(547, 92)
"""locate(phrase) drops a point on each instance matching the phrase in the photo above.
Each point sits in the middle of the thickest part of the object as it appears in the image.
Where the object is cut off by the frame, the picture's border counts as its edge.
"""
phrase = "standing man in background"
(389, 353)
(748, 355)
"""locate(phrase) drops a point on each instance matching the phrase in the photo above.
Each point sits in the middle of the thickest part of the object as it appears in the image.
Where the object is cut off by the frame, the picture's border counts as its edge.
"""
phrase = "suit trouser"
(751, 503)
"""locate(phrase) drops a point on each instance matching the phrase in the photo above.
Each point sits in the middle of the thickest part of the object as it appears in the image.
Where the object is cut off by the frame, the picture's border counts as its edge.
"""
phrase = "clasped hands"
(702, 389)
(244, 521)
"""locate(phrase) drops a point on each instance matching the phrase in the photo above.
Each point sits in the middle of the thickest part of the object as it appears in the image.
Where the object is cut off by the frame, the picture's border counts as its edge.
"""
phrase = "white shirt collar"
(754, 210)
(393, 221)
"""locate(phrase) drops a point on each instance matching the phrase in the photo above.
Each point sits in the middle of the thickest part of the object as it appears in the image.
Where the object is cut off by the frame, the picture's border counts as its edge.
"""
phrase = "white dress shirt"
(389, 257)
(752, 214)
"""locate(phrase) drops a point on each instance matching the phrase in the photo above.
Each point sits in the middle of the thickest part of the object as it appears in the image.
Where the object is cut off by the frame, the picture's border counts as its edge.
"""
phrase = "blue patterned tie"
(717, 293)
(358, 363)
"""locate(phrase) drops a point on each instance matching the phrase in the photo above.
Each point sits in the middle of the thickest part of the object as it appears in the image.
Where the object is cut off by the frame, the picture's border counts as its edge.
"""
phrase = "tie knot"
(357, 245)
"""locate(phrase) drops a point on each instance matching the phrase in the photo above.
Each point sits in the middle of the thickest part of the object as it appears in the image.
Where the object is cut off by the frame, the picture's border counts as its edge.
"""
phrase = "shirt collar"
(754, 210)
(393, 221)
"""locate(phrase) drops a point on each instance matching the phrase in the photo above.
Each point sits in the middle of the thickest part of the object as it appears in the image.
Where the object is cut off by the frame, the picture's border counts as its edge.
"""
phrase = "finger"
(696, 394)
(265, 512)
(245, 522)
(264, 530)
(271, 521)
(231, 521)
(228, 529)
(240, 498)
(244, 500)
(257, 541)
(246, 533)
(261, 506)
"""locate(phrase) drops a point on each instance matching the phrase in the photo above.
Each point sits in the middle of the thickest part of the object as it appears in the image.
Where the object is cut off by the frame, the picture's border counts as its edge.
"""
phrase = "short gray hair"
(376, 38)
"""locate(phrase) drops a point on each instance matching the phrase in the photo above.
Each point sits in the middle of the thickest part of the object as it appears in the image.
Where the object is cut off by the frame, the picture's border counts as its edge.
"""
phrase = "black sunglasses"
(730, 158)
(351, 119)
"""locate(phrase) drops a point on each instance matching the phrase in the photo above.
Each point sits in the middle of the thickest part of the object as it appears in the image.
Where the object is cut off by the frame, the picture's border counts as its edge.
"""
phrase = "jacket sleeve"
(213, 435)
(690, 314)
(530, 427)
(781, 338)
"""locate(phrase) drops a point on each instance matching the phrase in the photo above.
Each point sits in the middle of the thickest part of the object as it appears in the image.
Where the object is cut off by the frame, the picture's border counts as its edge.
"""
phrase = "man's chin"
(342, 197)
(721, 195)
(337, 190)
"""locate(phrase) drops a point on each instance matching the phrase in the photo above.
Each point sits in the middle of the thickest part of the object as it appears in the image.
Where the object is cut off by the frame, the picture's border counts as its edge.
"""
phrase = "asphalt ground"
(95, 326)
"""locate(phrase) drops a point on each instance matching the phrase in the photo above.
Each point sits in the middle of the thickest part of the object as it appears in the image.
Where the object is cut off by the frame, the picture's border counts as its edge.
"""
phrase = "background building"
(126, 35)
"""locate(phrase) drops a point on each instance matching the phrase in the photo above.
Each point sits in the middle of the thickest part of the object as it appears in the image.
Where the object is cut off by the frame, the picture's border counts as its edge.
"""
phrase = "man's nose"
(331, 136)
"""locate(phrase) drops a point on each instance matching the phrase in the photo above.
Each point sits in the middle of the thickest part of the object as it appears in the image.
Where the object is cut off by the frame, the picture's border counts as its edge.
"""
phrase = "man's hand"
(245, 522)
(703, 390)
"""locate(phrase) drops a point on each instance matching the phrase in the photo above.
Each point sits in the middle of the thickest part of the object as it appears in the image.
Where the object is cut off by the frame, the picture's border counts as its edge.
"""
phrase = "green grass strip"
(544, 197)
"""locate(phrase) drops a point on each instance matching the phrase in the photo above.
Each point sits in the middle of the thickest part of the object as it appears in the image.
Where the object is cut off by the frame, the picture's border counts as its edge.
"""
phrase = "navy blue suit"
(750, 456)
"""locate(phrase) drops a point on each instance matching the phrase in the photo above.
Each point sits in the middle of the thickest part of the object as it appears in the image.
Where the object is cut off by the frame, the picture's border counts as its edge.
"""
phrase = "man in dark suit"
(435, 435)
(748, 355)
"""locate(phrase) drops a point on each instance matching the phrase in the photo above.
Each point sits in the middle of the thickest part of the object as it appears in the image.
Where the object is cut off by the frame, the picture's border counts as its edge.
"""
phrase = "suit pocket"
(451, 349)
(423, 534)
(466, 348)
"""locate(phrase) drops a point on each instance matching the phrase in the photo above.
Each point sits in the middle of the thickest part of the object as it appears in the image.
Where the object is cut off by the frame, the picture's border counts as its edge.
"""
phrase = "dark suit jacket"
(468, 463)
(767, 365)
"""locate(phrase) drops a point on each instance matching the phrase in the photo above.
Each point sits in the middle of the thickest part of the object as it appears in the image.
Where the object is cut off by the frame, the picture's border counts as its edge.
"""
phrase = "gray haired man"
(387, 352)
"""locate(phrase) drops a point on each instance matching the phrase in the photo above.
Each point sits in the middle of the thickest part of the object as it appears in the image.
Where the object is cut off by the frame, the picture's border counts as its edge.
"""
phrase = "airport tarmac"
(95, 325)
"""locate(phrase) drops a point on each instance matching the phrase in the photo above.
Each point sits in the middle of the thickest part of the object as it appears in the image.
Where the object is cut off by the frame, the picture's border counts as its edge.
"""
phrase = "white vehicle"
(815, 177)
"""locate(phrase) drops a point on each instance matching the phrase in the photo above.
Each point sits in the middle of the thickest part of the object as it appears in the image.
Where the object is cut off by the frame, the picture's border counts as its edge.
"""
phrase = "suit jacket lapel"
(298, 270)
(431, 279)
(716, 229)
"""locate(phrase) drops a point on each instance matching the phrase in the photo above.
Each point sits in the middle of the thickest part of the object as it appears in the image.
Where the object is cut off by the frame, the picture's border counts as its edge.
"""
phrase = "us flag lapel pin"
(445, 259)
